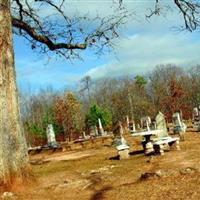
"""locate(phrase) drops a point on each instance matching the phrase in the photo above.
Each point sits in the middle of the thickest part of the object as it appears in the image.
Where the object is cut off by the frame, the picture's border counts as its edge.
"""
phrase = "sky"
(143, 45)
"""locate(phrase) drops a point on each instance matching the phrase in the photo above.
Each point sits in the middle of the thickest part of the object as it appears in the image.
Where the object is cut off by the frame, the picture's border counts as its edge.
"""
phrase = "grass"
(99, 177)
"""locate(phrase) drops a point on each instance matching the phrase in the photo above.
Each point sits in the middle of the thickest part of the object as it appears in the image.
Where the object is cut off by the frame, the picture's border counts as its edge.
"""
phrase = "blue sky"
(143, 45)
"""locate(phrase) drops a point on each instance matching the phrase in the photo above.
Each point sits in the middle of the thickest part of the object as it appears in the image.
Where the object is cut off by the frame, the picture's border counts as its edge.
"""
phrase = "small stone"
(149, 175)
(159, 173)
(7, 195)
(65, 181)
(187, 170)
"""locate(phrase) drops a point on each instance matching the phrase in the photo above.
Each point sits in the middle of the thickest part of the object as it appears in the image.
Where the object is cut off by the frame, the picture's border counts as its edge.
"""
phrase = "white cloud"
(142, 52)
(150, 43)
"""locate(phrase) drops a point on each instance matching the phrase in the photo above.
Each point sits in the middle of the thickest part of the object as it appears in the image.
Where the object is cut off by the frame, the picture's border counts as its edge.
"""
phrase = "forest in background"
(167, 88)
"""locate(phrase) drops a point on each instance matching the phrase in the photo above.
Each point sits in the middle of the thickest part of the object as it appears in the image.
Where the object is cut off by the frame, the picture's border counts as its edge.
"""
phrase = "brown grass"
(100, 176)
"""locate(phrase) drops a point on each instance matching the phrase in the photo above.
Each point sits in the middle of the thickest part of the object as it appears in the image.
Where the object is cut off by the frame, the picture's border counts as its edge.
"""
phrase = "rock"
(8, 195)
(188, 170)
(149, 175)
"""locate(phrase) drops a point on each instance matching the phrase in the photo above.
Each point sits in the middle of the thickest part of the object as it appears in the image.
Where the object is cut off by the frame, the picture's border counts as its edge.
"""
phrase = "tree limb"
(44, 39)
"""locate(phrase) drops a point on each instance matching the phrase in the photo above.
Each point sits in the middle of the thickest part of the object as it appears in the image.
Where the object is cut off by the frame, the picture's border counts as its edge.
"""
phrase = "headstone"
(92, 132)
(161, 125)
(145, 122)
(132, 126)
(196, 118)
(179, 126)
(195, 112)
(84, 136)
(127, 121)
(51, 139)
(138, 126)
(177, 119)
(100, 127)
(123, 148)
(121, 131)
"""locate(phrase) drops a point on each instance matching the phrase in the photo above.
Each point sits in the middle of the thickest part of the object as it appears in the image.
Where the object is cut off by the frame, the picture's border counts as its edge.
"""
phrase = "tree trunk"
(13, 148)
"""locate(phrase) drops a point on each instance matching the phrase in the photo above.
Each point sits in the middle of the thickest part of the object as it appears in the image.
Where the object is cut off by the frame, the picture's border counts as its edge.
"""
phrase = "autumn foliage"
(67, 114)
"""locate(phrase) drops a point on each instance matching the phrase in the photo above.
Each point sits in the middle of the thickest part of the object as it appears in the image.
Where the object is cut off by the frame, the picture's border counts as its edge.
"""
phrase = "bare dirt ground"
(96, 174)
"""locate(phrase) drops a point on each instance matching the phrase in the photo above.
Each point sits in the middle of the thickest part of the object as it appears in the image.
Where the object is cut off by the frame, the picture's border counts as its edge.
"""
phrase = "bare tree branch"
(44, 39)
(189, 9)
(64, 33)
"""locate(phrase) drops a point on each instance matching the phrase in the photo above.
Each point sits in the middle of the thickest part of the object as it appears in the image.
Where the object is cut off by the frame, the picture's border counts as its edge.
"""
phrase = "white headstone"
(161, 124)
(177, 119)
(51, 139)
(84, 136)
(145, 122)
(127, 121)
(195, 113)
(100, 127)
(179, 126)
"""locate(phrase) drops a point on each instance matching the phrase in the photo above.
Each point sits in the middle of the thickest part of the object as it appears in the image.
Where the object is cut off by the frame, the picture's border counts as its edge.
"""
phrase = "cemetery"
(99, 100)
(122, 164)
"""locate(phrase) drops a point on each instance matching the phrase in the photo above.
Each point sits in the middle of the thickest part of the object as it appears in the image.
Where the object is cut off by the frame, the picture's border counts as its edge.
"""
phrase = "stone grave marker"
(161, 125)
(51, 139)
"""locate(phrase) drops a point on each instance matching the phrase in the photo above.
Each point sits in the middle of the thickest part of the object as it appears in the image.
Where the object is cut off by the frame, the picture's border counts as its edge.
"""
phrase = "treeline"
(167, 88)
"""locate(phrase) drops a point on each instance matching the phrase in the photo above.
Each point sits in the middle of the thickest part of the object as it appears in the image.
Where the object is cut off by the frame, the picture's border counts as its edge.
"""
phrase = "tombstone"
(100, 127)
(132, 126)
(153, 125)
(195, 114)
(138, 126)
(177, 122)
(120, 143)
(84, 136)
(127, 121)
(122, 146)
(179, 126)
(161, 125)
(196, 118)
(145, 122)
(51, 140)
(92, 132)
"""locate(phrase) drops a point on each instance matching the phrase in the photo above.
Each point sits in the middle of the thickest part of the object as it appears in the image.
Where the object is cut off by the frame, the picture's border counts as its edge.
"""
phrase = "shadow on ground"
(99, 194)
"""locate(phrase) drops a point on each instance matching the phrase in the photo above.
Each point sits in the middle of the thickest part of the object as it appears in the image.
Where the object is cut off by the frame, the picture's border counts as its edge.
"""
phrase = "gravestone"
(93, 131)
(161, 125)
(100, 127)
(120, 143)
(195, 113)
(196, 118)
(132, 126)
(179, 126)
(84, 135)
(51, 139)
(146, 122)
(127, 121)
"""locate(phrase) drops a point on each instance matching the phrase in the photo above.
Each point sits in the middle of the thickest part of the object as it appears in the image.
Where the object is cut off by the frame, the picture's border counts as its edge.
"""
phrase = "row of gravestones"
(51, 139)
(159, 123)
(146, 123)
